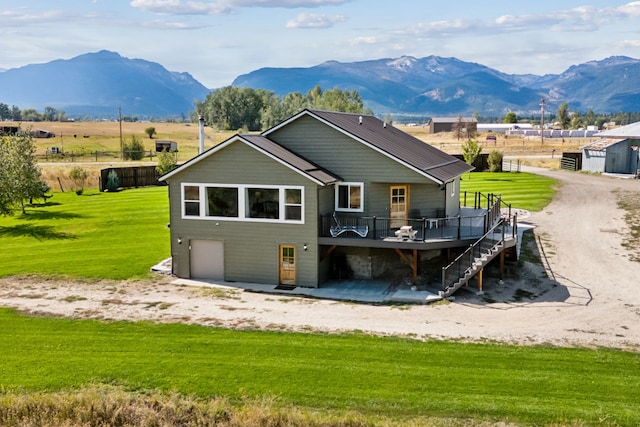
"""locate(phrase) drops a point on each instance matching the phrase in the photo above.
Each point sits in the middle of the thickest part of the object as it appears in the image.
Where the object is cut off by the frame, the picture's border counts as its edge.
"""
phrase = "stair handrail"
(470, 251)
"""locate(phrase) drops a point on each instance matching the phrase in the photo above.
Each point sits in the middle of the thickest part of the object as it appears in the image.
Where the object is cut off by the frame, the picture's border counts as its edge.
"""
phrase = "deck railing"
(381, 228)
(486, 212)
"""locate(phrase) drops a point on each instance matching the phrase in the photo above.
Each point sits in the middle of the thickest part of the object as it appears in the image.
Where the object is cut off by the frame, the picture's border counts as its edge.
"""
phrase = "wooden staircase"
(473, 260)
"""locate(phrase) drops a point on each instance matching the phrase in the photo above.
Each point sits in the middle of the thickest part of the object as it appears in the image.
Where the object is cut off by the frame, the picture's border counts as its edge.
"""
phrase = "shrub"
(495, 161)
(113, 182)
(470, 151)
(134, 149)
(79, 177)
(166, 162)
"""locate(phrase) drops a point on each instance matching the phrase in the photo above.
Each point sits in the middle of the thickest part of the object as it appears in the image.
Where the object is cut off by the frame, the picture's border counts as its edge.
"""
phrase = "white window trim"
(337, 196)
(242, 198)
(183, 201)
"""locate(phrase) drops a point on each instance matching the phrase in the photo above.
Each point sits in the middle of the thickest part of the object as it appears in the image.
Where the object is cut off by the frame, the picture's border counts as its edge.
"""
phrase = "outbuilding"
(616, 151)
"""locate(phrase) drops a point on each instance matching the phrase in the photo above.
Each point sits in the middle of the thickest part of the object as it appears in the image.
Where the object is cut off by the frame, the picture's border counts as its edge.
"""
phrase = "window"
(293, 204)
(222, 201)
(349, 197)
(239, 202)
(191, 197)
(263, 203)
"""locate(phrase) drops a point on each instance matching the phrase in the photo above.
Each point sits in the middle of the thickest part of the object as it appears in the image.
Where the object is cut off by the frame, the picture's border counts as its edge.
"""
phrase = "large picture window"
(349, 196)
(263, 203)
(243, 202)
(222, 201)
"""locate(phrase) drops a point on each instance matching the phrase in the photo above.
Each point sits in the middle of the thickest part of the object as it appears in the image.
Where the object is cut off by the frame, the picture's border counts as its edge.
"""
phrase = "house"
(321, 196)
(615, 152)
(449, 124)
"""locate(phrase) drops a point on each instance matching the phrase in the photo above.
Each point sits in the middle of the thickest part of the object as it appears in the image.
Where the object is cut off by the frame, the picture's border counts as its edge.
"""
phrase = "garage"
(207, 259)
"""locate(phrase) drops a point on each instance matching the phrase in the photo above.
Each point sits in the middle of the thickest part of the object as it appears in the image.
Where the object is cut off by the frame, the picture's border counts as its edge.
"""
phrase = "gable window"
(222, 201)
(237, 202)
(349, 196)
(191, 197)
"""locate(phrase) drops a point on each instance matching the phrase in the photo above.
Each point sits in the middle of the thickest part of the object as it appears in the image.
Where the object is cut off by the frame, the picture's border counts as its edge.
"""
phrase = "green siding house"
(322, 196)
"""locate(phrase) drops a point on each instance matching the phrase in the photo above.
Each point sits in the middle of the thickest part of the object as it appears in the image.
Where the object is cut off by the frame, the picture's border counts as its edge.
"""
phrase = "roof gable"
(271, 149)
(407, 150)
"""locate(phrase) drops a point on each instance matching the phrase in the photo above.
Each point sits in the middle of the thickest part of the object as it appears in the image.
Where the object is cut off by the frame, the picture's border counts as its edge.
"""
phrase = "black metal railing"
(384, 228)
(486, 213)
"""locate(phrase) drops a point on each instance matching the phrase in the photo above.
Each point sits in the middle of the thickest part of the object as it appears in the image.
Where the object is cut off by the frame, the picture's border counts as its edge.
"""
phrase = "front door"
(287, 265)
(399, 205)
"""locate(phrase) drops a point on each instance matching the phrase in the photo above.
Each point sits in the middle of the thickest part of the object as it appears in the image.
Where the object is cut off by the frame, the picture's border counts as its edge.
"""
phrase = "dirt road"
(587, 294)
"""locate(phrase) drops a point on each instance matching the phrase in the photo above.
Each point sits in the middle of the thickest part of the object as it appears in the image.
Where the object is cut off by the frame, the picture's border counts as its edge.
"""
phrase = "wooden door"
(398, 205)
(287, 265)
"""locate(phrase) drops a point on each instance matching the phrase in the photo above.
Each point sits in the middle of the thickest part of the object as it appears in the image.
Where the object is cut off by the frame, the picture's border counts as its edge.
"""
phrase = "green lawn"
(97, 235)
(372, 375)
(520, 190)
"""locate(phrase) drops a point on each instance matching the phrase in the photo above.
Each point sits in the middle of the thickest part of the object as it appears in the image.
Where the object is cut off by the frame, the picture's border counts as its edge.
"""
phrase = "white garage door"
(207, 259)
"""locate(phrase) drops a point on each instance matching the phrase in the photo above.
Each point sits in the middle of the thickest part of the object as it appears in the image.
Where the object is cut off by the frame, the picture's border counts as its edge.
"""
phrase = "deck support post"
(502, 264)
(326, 254)
(413, 263)
(480, 280)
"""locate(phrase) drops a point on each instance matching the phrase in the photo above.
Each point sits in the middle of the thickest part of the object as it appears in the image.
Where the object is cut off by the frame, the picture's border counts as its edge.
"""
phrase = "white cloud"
(630, 9)
(218, 7)
(314, 20)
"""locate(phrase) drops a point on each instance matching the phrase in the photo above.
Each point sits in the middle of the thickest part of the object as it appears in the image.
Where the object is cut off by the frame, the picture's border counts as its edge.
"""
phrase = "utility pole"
(120, 121)
(542, 123)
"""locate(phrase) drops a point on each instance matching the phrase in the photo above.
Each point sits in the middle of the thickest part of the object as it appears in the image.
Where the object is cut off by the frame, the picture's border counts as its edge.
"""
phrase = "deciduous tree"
(511, 117)
(20, 178)
(563, 115)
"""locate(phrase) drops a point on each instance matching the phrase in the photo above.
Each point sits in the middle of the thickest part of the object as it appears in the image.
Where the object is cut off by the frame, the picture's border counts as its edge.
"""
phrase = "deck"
(427, 233)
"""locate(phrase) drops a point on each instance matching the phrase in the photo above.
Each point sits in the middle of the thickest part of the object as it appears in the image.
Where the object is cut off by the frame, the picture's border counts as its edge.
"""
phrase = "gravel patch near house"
(585, 293)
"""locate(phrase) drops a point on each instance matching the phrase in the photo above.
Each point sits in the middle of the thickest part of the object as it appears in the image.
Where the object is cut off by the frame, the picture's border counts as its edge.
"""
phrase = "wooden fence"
(133, 176)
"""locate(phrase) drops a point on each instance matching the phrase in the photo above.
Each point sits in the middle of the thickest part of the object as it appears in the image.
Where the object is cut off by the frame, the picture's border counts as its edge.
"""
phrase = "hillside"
(97, 84)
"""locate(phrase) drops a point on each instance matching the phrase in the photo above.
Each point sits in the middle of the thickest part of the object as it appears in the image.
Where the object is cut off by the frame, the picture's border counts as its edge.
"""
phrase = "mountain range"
(98, 84)
(437, 86)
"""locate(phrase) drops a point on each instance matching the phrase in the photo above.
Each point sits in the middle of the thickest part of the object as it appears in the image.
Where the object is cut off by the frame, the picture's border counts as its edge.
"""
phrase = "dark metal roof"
(292, 159)
(397, 144)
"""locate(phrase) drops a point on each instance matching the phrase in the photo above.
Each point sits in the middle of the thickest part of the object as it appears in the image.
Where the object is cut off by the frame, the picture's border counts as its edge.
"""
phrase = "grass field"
(96, 235)
(397, 378)
(520, 190)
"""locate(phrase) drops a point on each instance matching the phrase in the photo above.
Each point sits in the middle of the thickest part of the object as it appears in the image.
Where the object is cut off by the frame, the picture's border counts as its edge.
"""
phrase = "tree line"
(15, 114)
(247, 109)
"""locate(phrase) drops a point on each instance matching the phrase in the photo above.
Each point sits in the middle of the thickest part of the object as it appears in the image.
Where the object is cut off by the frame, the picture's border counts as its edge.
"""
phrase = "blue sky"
(218, 40)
